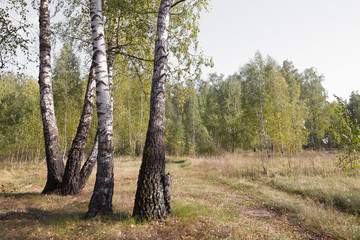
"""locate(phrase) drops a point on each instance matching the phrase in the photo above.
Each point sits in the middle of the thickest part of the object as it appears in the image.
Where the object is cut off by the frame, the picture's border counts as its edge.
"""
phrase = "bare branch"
(139, 77)
(150, 12)
(133, 57)
(180, 1)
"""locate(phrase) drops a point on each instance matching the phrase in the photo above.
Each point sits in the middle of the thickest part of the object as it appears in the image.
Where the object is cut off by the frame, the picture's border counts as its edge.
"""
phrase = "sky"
(324, 34)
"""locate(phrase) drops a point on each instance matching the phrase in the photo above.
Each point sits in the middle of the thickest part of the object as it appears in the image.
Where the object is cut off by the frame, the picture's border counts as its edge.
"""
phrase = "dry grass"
(318, 195)
(250, 164)
(213, 198)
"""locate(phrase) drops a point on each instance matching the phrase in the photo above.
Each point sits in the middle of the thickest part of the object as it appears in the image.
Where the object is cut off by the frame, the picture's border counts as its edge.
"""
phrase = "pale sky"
(324, 34)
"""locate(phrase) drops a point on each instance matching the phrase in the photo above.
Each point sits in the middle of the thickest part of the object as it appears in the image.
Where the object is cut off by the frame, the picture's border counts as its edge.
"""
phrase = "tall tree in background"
(297, 135)
(253, 99)
(212, 109)
(68, 89)
(101, 200)
(233, 112)
(130, 104)
(354, 106)
(277, 107)
(149, 200)
(272, 105)
(315, 96)
(54, 160)
(175, 132)
(191, 120)
(21, 133)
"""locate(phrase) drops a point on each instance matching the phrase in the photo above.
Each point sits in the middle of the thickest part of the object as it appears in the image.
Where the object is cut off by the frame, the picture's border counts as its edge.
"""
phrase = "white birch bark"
(101, 200)
(87, 168)
(55, 164)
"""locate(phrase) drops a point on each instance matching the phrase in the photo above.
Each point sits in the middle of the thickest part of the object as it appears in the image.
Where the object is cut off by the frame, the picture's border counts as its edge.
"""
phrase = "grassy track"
(213, 198)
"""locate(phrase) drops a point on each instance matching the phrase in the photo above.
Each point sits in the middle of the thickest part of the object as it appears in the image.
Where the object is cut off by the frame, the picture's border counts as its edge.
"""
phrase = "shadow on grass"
(59, 217)
(20, 195)
(30, 214)
(176, 160)
(116, 216)
(179, 161)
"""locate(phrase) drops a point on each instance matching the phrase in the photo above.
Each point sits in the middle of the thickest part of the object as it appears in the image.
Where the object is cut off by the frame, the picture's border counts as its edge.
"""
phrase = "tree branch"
(133, 57)
(180, 1)
(139, 77)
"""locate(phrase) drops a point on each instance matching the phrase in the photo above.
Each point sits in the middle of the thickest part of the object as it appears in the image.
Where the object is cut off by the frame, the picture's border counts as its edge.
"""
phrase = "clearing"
(212, 198)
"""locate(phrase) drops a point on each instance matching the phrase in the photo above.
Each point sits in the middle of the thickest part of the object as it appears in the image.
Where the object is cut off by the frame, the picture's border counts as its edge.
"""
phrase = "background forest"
(264, 106)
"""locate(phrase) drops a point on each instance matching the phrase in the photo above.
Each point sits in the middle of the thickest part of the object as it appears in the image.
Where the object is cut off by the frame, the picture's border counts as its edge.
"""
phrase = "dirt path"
(232, 213)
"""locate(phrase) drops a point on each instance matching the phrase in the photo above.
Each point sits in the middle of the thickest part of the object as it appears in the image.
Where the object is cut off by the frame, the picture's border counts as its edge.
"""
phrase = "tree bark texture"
(110, 64)
(71, 177)
(54, 160)
(149, 199)
(88, 166)
(167, 192)
(101, 200)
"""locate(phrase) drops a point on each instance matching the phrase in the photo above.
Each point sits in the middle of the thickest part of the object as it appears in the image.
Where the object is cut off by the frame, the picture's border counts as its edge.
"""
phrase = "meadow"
(227, 196)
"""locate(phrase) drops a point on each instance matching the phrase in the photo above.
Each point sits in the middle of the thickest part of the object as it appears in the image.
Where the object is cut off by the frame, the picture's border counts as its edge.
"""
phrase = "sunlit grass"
(311, 188)
(342, 193)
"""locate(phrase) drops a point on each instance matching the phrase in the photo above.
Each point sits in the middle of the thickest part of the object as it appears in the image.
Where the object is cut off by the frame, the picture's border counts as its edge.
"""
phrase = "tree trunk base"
(167, 191)
(52, 188)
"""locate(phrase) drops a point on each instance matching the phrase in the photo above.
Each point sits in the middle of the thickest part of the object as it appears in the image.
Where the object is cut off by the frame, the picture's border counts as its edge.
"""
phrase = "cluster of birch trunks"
(152, 200)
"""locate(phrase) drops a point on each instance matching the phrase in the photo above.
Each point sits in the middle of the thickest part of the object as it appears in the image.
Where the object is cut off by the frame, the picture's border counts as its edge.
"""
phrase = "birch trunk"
(88, 166)
(101, 200)
(54, 160)
(149, 200)
(71, 178)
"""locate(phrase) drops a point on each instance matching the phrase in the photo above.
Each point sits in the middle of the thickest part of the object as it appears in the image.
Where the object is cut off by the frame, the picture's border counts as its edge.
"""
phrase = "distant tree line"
(264, 106)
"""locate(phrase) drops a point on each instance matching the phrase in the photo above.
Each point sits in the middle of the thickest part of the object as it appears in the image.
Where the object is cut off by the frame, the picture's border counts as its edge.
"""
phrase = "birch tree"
(101, 200)
(88, 166)
(54, 160)
(253, 99)
(150, 202)
(297, 136)
(72, 175)
(232, 111)
(315, 96)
